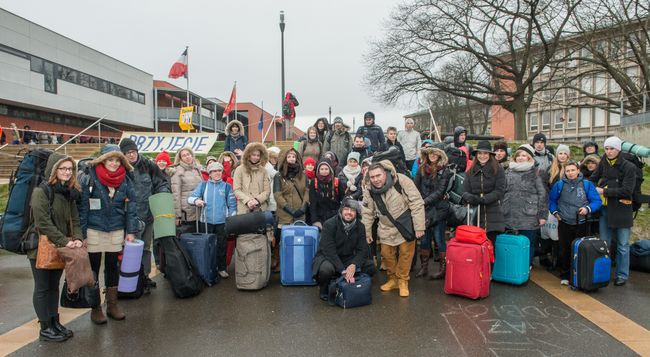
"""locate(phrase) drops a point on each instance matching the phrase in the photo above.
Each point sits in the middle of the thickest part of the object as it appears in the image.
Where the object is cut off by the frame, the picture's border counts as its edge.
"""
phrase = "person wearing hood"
(590, 147)
(291, 194)
(543, 156)
(372, 131)
(333, 160)
(217, 199)
(229, 161)
(411, 142)
(383, 186)
(571, 199)
(460, 142)
(342, 249)
(562, 157)
(350, 177)
(186, 177)
(59, 221)
(236, 140)
(338, 140)
(416, 165)
(148, 180)
(311, 147)
(485, 185)
(589, 165)
(322, 128)
(359, 146)
(525, 206)
(616, 180)
(251, 182)
(108, 213)
(325, 194)
(500, 149)
(431, 180)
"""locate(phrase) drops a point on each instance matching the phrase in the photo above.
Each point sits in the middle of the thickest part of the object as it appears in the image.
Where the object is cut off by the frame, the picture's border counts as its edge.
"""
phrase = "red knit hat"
(164, 156)
(309, 160)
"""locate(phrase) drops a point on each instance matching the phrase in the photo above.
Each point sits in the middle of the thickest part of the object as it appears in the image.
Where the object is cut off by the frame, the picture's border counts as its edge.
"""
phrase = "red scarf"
(311, 174)
(110, 179)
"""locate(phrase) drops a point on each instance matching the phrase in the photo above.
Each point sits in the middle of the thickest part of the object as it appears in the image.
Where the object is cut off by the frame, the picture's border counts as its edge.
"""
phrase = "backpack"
(28, 175)
(394, 155)
(638, 198)
(457, 158)
(336, 185)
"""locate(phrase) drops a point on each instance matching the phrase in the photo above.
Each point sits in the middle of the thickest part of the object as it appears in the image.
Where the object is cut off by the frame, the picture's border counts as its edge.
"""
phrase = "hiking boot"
(97, 315)
(424, 263)
(112, 309)
(57, 325)
(443, 268)
(391, 284)
(403, 288)
(49, 333)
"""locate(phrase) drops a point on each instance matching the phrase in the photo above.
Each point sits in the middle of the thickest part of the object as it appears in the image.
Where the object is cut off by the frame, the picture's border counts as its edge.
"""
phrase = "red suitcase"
(468, 269)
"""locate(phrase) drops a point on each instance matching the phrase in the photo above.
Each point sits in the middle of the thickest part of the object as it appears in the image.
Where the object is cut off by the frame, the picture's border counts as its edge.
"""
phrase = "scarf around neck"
(521, 167)
(110, 179)
(387, 185)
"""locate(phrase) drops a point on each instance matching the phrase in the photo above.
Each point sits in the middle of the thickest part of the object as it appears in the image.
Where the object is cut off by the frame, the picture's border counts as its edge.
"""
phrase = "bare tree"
(451, 111)
(501, 46)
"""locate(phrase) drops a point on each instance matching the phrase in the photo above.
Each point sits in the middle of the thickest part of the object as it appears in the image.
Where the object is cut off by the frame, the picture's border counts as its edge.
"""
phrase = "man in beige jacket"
(400, 199)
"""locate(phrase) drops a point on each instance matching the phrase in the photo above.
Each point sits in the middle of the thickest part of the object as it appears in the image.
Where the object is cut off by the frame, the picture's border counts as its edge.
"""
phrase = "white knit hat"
(614, 142)
(563, 148)
(215, 166)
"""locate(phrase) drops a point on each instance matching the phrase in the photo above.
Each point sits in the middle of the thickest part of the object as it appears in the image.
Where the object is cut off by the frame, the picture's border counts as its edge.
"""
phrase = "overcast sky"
(237, 41)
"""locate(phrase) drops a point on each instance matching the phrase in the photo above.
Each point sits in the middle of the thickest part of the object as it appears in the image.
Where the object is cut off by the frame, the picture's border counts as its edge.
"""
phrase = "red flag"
(231, 103)
(180, 66)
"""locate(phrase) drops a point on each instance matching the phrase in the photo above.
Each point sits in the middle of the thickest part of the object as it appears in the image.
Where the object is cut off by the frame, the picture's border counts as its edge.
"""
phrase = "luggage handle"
(200, 212)
(587, 223)
(478, 215)
(299, 223)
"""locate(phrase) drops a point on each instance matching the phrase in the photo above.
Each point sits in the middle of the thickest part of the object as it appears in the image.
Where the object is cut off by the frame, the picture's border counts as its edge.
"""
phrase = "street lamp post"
(282, 25)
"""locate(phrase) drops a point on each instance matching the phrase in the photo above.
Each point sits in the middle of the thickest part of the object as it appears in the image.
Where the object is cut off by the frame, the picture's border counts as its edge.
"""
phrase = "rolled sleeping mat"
(164, 216)
(638, 150)
(248, 222)
(130, 267)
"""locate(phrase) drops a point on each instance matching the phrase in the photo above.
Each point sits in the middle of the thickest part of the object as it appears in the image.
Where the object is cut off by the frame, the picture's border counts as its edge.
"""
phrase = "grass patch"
(4, 195)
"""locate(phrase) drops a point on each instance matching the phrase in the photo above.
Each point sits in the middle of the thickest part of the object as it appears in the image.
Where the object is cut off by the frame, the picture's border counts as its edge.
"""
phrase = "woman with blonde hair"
(186, 177)
(562, 157)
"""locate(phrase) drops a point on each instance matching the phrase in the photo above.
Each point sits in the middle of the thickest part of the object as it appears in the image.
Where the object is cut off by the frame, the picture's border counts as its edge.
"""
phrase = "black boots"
(49, 333)
(57, 325)
(424, 263)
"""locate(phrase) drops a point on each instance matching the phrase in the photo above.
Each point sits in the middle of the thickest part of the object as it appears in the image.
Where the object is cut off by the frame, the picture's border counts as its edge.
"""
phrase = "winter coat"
(486, 187)
(434, 189)
(271, 171)
(363, 153)
(341, 248)
(544, 161)
(396, 203)
(339, 142)
(464, 146)
(397, 144)
(375, 134)
(60, 223)
(358, 183)
(291, 194)
(322, 135)
(240, 142)
(186, 178)
(411, 143)
(219, 200)
(567, 197)
(323, 208)
(148, 180)
(312, 149)
(118, 213)
(618, 181)
(524, 201)
(252, 181)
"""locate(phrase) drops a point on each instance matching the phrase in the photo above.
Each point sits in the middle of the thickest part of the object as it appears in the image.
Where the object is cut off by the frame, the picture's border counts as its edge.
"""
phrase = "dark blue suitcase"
(590, 264)
(298, 246)
(512, 262)
(202, 249)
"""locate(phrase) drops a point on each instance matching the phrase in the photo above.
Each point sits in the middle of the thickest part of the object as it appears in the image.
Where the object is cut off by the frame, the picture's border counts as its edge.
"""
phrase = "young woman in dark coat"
(325, 194)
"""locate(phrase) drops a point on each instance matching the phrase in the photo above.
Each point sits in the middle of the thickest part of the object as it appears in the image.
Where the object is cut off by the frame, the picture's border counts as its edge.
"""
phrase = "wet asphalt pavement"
(293, 321)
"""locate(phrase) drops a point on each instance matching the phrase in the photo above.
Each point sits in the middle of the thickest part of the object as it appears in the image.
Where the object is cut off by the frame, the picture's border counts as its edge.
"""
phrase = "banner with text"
(149, 142)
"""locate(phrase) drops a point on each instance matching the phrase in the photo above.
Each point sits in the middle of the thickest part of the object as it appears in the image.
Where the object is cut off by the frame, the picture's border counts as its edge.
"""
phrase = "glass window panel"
(614, 88)
(572, 116)
(614, 118)
(585, 84)
(532, 117)
(36, 65)
(558, 119)
(600, 84)
(50, 79)
(585, 117)
(546, 119)
(599, 117)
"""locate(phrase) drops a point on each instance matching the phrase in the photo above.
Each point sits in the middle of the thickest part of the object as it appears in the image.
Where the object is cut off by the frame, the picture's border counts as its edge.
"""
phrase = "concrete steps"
(10, 155)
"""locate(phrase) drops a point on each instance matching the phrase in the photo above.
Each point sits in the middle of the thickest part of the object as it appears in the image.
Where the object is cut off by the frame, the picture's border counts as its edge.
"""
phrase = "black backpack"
(393, 155)
(638, 198)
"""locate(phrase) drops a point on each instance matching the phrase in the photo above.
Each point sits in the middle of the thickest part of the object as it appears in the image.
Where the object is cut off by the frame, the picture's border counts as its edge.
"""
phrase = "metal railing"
(99, 129)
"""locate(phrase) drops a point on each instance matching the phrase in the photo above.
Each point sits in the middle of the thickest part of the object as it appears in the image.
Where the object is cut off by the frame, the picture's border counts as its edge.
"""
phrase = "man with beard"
(342, 250)
(360, 147)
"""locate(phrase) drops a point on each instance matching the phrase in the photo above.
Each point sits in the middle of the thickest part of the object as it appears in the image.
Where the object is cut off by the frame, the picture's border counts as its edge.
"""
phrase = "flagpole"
(236, 103)
(267, 130)
(262, 120)
(187, 76)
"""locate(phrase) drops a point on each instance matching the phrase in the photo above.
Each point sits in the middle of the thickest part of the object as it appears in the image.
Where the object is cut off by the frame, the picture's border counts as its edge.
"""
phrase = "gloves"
(291, 212)
(471, 199)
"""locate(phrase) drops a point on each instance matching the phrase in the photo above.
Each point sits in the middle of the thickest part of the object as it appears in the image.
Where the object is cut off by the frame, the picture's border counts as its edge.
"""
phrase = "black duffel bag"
(248, 222)
(86, 297)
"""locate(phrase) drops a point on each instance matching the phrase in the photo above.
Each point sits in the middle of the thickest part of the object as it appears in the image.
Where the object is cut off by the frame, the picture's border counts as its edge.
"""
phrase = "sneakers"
(223, 274)
(564, 282)
(619, 282)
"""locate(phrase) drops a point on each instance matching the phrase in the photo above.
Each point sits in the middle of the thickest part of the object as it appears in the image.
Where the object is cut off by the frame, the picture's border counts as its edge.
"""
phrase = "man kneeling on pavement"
(342, 249)
(395, 200)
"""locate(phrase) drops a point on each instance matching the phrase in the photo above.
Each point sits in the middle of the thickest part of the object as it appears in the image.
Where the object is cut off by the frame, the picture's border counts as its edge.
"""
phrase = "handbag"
(29, 240)
(47, 256)
(347, 295)
(86, 297)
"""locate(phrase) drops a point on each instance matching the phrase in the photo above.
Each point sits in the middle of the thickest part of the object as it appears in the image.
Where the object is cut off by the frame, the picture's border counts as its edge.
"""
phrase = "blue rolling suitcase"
(512, 259)
(202, 249)
(590, 264)
(298, 247)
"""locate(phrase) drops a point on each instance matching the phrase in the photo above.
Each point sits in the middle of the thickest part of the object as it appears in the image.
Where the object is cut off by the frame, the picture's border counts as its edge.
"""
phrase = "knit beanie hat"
(614, 142)
(127, 145)
(563, 148)
(309, 160)
(215, 166)
(528, 149)
(500, 145)
(354, 156)
(164, 156)
(539, 137)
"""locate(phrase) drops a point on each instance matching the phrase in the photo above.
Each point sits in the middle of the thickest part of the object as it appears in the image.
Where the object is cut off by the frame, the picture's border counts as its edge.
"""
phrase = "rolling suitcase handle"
(299, 223)
(587, 223)
(469, 215)
(201, 212)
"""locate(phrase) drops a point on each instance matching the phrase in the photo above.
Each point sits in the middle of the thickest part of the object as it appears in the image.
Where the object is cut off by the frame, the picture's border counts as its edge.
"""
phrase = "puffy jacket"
(411, 143)
(567, 197)
(219, 200)
(375, 134)
(148, 180)
(618, 181)
(341, 248)
(339, 142)
(544, 160)
(396, 203)
(524, 202)
(291, 194)
(434, 189)
(232, 144)
(117, 213)
(313, 149)
(184, 181)
(252, 181)
(486, 187)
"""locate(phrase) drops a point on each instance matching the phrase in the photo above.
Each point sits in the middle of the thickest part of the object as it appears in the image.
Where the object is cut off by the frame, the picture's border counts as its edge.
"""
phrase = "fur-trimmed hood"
(233, 157)
(108, 152)
(424, 156)
(54, 161)
(387, 166)
(264, 156)
(177, 159)
(282, 161)
(235, 122)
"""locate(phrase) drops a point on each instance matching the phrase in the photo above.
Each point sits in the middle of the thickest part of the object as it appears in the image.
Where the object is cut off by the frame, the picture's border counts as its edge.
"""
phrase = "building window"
(571, 118)
(599, 117)
(631, 72)
(614, 118)
(614, 88)
(36, 64)
(50, 79)
(557, 119)
(546, 120)
(585, 84)
(600, 84)
(532, 118)
(585, 117)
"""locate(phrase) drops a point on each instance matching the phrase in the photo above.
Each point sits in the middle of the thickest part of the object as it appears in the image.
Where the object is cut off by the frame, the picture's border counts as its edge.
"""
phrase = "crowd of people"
(364, 207)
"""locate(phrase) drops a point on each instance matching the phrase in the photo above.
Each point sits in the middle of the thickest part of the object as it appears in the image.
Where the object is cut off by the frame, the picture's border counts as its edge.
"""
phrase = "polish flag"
(231, 103)
(180, 67)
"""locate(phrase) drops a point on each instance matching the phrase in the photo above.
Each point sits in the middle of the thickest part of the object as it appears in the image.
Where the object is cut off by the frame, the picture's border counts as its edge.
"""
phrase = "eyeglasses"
(65, 169)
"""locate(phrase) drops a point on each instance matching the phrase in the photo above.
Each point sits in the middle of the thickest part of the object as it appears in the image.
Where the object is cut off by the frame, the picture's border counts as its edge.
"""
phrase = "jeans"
(46, 291)
(438, 234)
(622, 236)
(533, 236)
